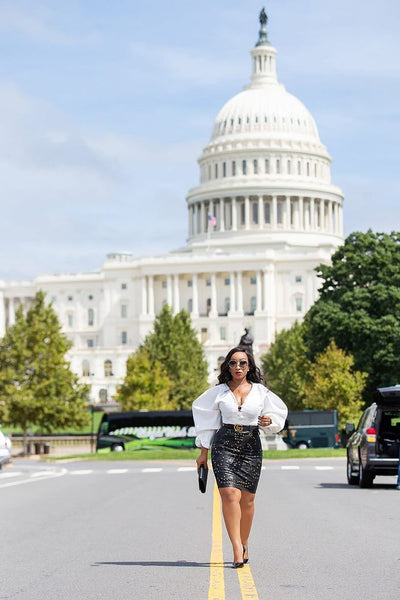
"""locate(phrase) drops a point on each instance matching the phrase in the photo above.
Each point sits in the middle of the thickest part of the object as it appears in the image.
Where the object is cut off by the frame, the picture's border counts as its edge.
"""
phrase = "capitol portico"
(263, 216)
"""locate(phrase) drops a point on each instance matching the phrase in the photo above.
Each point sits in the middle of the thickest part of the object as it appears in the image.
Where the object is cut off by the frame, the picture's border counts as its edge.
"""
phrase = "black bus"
(119, 431)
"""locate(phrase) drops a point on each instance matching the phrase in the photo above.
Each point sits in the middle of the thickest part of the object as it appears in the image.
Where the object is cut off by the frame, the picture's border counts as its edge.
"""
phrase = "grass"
(192, 454)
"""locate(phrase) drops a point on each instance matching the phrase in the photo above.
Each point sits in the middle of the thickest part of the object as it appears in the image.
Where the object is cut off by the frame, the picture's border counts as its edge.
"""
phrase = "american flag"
(212, 220)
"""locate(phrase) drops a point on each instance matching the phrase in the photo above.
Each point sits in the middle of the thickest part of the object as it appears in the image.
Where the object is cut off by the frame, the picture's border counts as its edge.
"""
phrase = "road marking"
(116, 471)
(12, 474)
(290, 467)
(187, 469)
(31, 479)
(151, 470)
(216, 590)
(246, 582)
(81, 472)
(323, 468)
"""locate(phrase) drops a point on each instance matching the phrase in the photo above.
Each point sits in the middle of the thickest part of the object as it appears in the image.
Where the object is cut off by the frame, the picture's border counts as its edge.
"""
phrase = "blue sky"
(106, 106)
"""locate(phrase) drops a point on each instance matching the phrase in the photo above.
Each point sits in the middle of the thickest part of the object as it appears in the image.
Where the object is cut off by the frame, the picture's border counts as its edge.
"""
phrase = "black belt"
(240, 428)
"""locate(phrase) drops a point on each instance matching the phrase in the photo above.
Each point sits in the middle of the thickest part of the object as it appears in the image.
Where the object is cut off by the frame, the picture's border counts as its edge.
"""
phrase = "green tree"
(37, 387)
(146, 384)
(174, 344)
(359, 306)
(333, 384)
(286, 366)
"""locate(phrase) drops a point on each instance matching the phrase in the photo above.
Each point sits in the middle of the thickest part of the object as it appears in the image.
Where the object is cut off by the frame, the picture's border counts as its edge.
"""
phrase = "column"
(203, 225)
(322, 214)
(258, 292)
(144, 295)
(301, 213)
(151, 295)
(2, 315)
(190, 224)
(176, 294)
(239, 292)
(232, 292)
(260, 212)
(169, 291)
(312, 214)
(214, 309)
(195, 290)
(247, 212)
(234, 214)
(288, 213)
(221, 214)
(274, 216)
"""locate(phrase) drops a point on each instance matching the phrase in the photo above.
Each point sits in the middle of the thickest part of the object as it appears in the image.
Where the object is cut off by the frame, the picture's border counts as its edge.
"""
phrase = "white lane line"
(34, 479)
(116, 471)
(290, 467)
(324, 468)
(12, 474)
(81, 472)
(42, 474)
(152, 470)
(186, 468)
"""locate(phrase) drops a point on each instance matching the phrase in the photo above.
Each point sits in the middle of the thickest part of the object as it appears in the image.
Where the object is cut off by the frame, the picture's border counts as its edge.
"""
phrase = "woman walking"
(227, 418)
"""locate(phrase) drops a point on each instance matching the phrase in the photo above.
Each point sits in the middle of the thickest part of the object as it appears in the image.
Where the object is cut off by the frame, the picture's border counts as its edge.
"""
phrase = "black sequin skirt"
(237, 458)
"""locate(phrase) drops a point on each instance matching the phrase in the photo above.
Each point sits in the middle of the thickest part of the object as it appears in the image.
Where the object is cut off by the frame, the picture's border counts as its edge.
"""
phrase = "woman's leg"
(247, 514)
(231, 509)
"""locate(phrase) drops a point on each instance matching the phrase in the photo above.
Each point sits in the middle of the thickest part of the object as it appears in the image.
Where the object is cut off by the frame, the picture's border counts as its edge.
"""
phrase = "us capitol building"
(262, 217)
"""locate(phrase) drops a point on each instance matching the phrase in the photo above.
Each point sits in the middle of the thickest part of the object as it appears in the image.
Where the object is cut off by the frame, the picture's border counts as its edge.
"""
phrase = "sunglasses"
(241, 363)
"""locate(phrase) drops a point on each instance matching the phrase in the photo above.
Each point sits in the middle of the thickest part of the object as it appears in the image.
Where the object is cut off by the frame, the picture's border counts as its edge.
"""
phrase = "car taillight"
(371, 434)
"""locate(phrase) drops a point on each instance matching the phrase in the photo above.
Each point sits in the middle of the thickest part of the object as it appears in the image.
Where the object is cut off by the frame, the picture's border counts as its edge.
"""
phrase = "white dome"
(265, 111)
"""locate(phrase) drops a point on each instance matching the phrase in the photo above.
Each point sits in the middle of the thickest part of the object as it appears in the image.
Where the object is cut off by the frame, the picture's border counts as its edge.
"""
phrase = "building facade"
(263, 216)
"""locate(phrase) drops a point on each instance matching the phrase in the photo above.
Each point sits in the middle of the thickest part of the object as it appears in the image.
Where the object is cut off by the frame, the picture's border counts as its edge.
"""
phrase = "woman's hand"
(264, 420)
(202, 458)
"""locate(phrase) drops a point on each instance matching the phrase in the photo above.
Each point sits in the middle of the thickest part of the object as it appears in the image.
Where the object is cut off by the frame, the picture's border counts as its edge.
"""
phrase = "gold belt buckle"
(238, 427)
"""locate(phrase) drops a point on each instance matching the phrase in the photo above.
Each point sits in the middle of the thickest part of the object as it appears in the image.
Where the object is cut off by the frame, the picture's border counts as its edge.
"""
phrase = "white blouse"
(218, 405)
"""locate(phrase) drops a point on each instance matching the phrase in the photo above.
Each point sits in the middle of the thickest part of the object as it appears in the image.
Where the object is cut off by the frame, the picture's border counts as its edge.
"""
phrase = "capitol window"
(190, 305)
(224, 169)
(299, 304)
(298, 168)
(108, 368)
(298, 278)
(308, 169)
(90, 343)
(289, 167)
(208, 282)
(164, 284)
(254, 208)
(222, 333)
(267, 165)
(267, 212)
(216, 171)
(85, 368)
(124, 337)
(253, 280)
(70, 298)
(244, 167)
(227, 281)
(190, 283)
(70, 320)
(90, 317)
(233, 168)
(124, 311)
(123, 286)
(255, 166)
(278, 166)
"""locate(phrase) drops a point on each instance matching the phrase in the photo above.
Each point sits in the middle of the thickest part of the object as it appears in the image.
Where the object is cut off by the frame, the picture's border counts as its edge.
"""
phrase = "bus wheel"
(302, 446)
(117, 448)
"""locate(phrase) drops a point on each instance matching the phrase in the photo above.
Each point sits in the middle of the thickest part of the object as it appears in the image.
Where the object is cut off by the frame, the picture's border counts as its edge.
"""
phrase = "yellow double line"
(216, 590)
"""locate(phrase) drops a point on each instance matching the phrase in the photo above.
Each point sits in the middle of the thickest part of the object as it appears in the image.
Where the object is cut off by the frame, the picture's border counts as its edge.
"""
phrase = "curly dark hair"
(253, 374)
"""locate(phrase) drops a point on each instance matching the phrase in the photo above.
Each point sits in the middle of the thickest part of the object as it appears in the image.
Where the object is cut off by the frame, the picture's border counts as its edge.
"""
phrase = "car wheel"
(117, 448)
(351, 479)
(366, 477)
(302, 446)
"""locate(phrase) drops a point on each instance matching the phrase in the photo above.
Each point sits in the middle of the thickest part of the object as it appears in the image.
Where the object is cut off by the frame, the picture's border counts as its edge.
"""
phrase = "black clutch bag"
(203, 474)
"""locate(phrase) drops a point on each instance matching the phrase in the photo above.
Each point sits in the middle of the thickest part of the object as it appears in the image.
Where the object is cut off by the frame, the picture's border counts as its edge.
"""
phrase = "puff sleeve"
(275, 408)
(206, 416)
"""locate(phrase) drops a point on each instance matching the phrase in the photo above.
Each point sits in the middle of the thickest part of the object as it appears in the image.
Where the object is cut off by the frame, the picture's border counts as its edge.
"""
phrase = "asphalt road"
(129, 530)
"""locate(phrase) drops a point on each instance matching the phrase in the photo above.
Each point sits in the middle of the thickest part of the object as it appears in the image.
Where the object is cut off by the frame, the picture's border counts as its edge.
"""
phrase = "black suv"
(373, 448)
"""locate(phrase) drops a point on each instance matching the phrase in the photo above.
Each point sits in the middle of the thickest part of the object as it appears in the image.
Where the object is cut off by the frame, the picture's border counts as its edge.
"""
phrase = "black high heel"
(245, 560)
(238, 565)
